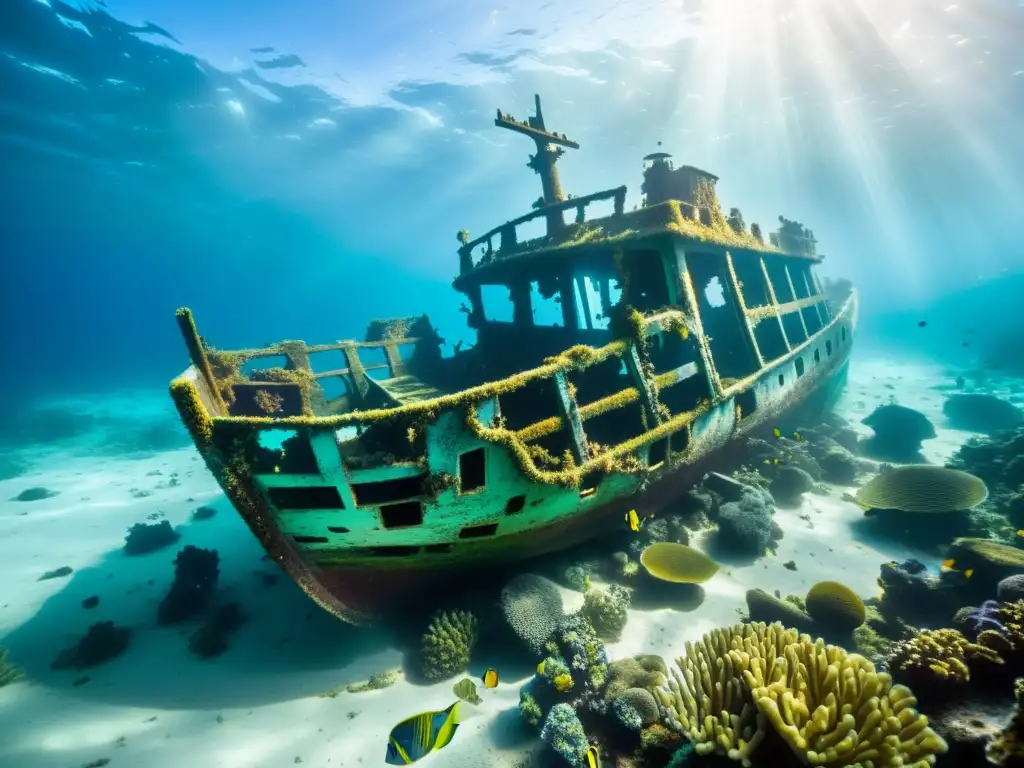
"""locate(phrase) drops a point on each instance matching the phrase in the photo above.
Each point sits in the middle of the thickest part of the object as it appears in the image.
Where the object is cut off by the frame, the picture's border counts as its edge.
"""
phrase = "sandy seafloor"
(257, 705)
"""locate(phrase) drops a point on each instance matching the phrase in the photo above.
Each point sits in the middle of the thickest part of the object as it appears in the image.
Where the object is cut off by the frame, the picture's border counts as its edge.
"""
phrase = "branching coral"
(706, 699)
(446, 647)
(937, 660)
(834, 709)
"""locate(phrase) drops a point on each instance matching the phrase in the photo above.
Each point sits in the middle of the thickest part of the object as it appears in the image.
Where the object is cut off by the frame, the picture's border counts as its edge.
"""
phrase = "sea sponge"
(935, 662)
(532, 606)
(705, 698)
(446, 646)
(746, 526)
(789, 485)
(643, 701)
(834, 709)
(564, 732)
(835, 605)
(606, 611)
(678, 563)
(922, 488)
(767, 608)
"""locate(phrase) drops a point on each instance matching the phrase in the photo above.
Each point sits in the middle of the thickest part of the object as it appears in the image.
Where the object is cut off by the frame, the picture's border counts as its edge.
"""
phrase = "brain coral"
(532, 606)
(446, 647)
(643, 702)
(678, 563)
(835, 605)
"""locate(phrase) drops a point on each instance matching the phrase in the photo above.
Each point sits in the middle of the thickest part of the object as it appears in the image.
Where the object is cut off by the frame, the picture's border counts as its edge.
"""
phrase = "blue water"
(296, 170)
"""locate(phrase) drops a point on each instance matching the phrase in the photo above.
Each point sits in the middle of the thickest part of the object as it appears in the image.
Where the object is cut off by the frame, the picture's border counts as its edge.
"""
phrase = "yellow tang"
(968, 573)
(633, 520)
(490, 678)
(421, 734)
(540, 668)
(947, 565)
(592, 758)
(777, 432)
(1020, 532)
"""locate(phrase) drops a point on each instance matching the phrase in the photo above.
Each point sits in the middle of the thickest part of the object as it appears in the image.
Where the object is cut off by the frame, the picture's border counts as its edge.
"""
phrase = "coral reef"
(835, 605)
(211, 639)
(447, 645)
(899, 432)
(103, 641)
(998, 460)
(144, 538)
(563, 731)
(195, 577)
(643, 703)
(746, 526)
(706, 699)
(832, 708)
(575, 642)
(627, 715)
(532, 606)
(1011, 588)
(989, 561)
(937, 663)
(910, 593)
(976, 412)
(1007, 748)
(606, 611)
(789, 486)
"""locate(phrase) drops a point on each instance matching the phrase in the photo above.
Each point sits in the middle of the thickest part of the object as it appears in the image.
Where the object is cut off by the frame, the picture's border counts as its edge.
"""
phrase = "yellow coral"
(938, 657)
(835, 605)
(706, 698)
(834, 709)
(562, 682)
(669, 561)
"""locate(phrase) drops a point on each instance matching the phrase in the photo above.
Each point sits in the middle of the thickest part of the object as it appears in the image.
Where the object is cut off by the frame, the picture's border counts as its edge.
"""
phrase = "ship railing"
(508, 239)
(567, 412)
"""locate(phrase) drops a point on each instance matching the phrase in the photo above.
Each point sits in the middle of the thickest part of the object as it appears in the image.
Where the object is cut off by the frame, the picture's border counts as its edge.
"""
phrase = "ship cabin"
(612, 347)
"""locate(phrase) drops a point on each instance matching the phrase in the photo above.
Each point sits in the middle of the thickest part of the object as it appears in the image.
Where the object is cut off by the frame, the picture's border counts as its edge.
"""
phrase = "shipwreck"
(616, 356)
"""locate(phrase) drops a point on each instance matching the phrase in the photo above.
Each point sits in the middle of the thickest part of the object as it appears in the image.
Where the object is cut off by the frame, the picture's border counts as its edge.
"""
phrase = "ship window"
(337, 529)
(817, 356)
(546, 302)
(497, 301)
(844, 333)
(478, 531)
(648, 289)
(799, 367)
(798, 274)
(403, 515)
(334, 387)
(327, 360)
(769, 338)
(777, 274)
(828, 347)
(751, 279)
(725, 328)
(283, 451)
(305, 497)
(657, 453)
(438, 549)
(310, 539)
(590, 309)
(515, 505)
(472, 466)
(812, 319)
(747, 401)
(263, 363)
(794, 328)
(782, 380)
(393, 551)
(714, 293)
(385, 491)
(589, 484)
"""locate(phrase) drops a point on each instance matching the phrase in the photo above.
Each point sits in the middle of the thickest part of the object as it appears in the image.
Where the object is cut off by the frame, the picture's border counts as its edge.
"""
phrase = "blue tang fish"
(421, 734)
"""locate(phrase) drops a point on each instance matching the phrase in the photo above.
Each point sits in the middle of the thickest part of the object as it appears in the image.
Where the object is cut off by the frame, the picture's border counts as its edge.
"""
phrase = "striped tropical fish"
(421, 734)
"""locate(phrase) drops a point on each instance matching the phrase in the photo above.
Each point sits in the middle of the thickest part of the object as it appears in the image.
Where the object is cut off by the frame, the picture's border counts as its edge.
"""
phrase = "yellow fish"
(490, 678)
(947, 565)
(777, 432)
(968, 573)
(633, 521)
(592, 758)
(421, 734)
(277, 469)
(540, 668)
(1020, 532)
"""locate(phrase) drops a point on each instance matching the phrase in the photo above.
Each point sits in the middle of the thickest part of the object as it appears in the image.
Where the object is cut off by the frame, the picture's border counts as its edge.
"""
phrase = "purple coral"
(983, 618)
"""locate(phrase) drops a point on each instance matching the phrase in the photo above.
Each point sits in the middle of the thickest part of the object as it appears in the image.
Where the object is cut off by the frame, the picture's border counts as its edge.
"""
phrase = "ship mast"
(549, 149)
